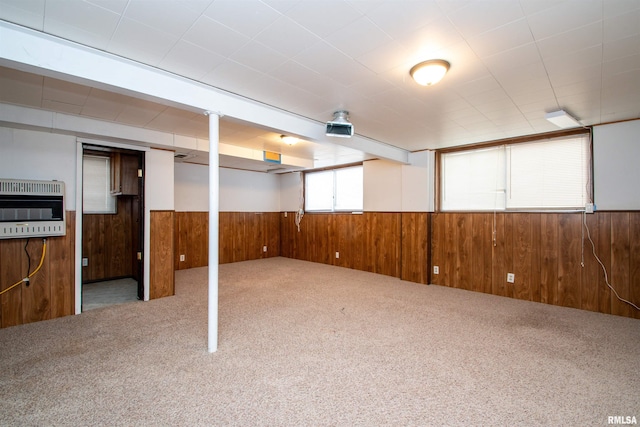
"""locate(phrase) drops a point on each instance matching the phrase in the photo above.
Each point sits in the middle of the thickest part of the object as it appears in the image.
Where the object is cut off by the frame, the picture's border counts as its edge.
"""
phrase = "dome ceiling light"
(289, 140)
(429, 72)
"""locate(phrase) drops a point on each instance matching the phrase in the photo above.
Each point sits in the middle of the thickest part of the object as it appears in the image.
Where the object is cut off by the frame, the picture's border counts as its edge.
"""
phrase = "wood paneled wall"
(191, 239)
(546, 252)
(108, 243)
(51, 290)
(242, 237)
(393, 244)
(161, 274)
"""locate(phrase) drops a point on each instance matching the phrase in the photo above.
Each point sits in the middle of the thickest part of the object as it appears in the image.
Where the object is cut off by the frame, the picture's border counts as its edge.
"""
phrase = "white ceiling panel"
(564, 16)
(252, 18)
(511, 61)
(26, 13)
(215, 37)
(323, 18)
(168, 15)
(150, 44)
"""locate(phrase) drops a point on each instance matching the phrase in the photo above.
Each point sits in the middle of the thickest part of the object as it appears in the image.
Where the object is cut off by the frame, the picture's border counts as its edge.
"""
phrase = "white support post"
(214, 204)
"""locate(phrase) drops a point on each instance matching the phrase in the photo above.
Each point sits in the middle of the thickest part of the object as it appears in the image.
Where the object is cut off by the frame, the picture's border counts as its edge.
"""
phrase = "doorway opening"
(112, 226)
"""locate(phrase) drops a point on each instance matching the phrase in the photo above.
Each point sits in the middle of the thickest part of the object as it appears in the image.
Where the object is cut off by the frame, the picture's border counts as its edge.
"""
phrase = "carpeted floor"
(305, 344)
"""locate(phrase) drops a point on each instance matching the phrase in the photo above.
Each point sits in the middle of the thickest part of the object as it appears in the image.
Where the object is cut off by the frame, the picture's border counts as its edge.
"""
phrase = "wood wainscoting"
(390, 243)
(546, 252)
(51, 291)
(242, 236)
(107, 243)
(161, 239)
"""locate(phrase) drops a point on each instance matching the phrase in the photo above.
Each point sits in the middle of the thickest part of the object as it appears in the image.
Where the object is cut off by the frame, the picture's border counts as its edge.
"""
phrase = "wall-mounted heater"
(31, 209)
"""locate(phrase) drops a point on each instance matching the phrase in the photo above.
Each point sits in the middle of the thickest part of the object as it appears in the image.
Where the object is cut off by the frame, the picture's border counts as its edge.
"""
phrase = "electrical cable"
(26, 279)
(28, 258)
(300, 211)
(606, 277)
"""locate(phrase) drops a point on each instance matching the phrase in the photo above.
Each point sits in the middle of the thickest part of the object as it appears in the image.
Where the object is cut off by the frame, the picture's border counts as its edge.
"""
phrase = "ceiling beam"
(35, 52)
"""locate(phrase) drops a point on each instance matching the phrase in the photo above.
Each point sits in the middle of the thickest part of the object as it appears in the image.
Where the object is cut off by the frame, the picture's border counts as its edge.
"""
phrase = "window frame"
(108, 160)
(587, 132)
(331, 169)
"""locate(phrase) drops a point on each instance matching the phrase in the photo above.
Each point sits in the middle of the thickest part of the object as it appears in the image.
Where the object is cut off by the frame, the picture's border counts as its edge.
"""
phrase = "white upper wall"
(240, 191)
(616, 166)
(290, 191)
(394, 187)
(245, 191)
(191, 187)
(26, 154)
(159, 180)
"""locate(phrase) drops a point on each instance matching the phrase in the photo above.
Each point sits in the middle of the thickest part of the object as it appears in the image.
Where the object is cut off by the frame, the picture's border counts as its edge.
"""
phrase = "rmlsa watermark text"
(621, 420)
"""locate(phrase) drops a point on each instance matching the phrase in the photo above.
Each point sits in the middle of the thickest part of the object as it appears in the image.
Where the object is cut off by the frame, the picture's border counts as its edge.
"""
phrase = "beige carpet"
(304, 344)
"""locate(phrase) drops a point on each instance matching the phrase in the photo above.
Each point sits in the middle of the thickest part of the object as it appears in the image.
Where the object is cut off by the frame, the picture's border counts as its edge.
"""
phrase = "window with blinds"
(334, 190)
(96, 185)
(549, 174)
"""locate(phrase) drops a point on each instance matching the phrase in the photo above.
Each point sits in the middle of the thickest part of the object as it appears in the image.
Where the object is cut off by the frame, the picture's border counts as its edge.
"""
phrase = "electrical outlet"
(285, 214)
(337, 254)
(436, 269)
(589, 208)
(264, 249)
(85, 262)
(181, 258)
(511, 278)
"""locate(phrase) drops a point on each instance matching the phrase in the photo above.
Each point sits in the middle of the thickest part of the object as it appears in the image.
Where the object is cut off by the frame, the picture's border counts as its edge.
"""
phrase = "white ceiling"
(511, 61)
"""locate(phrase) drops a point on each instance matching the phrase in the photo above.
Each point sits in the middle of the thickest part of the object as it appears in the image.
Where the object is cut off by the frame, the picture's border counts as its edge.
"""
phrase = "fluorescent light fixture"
(429, 72)
(562, 119)
(289, 140)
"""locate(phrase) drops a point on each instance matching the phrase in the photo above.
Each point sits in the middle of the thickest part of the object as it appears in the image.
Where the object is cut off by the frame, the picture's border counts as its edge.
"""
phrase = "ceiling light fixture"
(562, 119)
(429, 72)
(289, 140)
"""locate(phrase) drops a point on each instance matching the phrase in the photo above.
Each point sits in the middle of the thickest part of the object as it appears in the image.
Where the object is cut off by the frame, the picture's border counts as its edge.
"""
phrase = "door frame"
(80, 142)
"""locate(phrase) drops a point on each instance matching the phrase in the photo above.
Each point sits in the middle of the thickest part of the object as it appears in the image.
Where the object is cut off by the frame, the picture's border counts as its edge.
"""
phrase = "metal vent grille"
(31, 208)
(35, 188)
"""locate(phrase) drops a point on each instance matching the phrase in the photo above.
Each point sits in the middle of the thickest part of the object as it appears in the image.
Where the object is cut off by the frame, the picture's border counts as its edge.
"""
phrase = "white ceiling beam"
(28, 50)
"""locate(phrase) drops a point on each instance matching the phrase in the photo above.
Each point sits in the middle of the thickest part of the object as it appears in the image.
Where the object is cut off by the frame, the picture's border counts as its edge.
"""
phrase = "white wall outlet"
(436, 269)
(182, 258)
(264, 249)
(85, 262)
(337, 254)
(511, 278)
(285, 214)
(589, 208)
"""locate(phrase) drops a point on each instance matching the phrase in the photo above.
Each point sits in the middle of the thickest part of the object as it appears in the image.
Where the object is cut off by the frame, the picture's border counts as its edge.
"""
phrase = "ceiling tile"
(139, 113)
(621, 48)
(20, 88)
(215, 37)
(104, 105)
(571, 41)
(167, 15)
(189, 60)
(146, 44)
(619, 7)
(399, 18)
(253, 17)
(479, 17)
(351, 40)
(503, 38)
(385, 57)
(322, 18)
(117, 6)
(84, 16)
(622, 26)
(564, 17)
(65, 92)
(258, 56)
(287, 37)
(30, 14)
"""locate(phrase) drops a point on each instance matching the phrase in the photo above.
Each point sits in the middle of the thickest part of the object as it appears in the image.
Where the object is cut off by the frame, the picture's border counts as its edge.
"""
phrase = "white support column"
(214, 204)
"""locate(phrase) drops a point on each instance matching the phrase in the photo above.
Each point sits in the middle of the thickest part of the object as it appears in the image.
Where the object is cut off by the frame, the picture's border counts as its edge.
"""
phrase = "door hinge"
(139, 173)
(139, 256)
